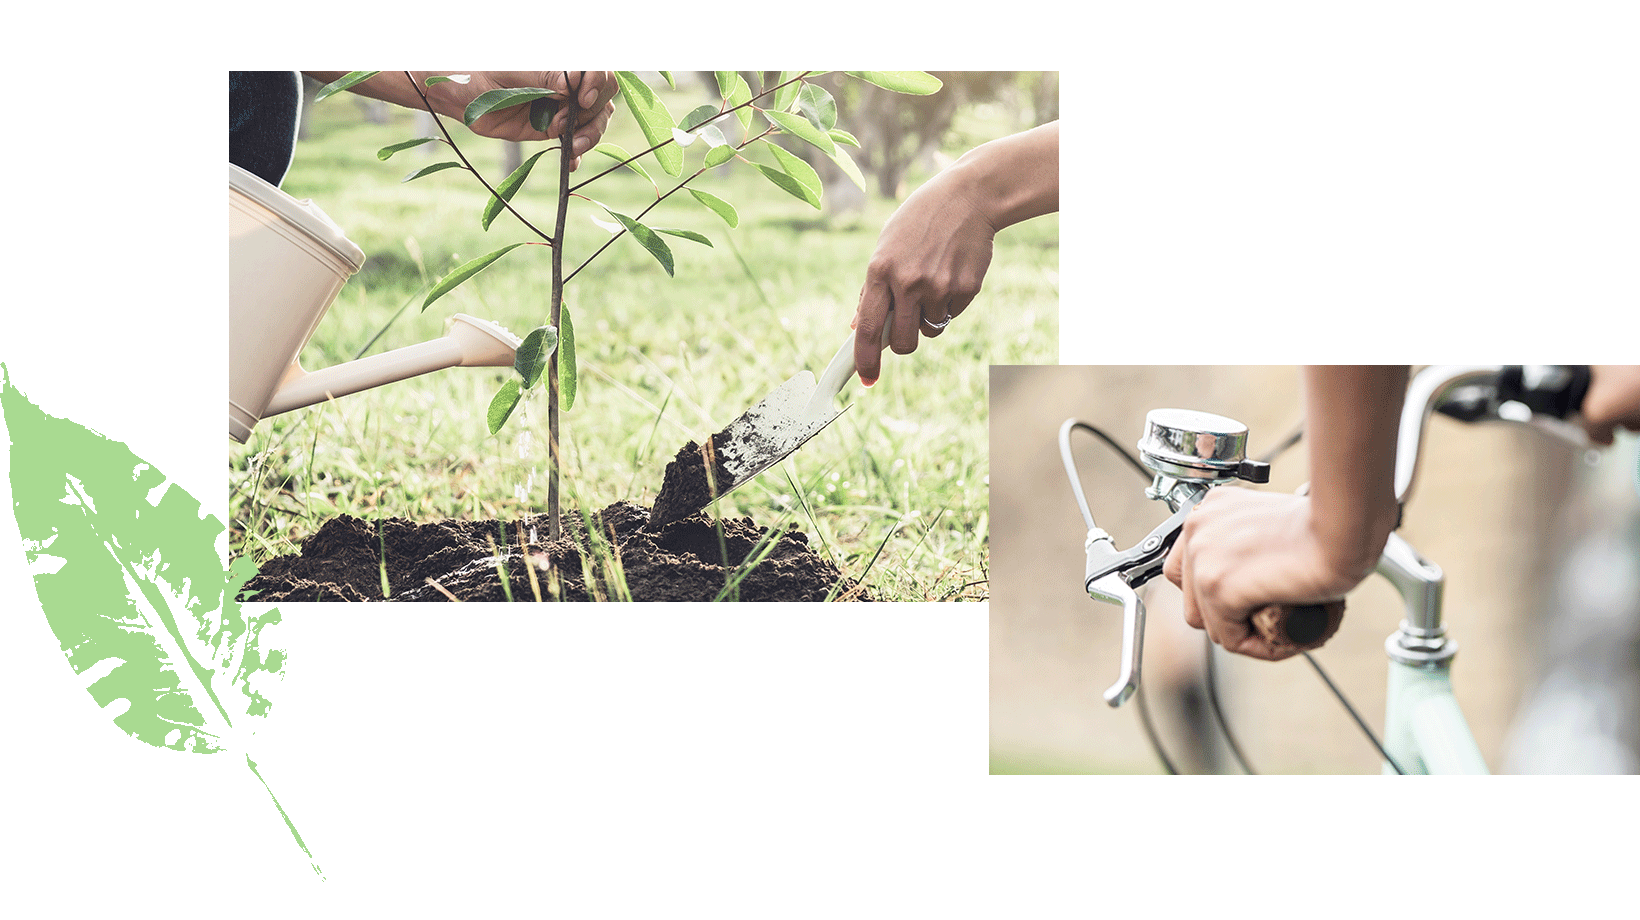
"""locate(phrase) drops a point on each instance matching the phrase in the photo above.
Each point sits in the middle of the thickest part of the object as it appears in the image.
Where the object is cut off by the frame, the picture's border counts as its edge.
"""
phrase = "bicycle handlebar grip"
(1305, 626)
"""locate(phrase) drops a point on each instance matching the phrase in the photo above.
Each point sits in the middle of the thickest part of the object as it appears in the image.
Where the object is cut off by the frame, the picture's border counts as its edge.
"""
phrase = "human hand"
(927, 268)
(1613, 401)
(1241, 551)
(592, 90)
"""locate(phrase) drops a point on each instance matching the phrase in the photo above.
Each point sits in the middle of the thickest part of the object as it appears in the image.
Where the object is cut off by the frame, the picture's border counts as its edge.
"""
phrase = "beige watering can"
(286, 261)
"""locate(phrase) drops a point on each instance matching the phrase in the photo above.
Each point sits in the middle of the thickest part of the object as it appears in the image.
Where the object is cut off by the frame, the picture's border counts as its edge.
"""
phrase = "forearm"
(1013, 178)
(1353, 412)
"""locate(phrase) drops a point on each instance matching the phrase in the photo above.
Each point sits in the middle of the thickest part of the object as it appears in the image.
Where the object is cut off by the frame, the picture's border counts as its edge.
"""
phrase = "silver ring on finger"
(939, 325)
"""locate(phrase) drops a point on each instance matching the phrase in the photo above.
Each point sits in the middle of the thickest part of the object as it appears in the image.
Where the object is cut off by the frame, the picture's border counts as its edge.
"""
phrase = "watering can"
(286, 262)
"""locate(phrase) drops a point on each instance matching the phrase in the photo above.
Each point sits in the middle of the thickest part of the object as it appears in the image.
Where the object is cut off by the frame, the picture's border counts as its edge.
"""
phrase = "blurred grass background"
(894, 490)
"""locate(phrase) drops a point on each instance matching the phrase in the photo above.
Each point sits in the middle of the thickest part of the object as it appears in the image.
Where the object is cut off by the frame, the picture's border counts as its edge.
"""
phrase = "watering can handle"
(840, 370)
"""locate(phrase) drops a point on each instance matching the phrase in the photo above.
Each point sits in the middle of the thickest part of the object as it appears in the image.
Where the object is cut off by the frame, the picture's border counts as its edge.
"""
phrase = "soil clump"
(685, 560)
(684, 486)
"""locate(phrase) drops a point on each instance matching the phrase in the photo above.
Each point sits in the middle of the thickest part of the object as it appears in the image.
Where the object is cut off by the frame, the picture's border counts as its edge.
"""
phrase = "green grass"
(895, 489)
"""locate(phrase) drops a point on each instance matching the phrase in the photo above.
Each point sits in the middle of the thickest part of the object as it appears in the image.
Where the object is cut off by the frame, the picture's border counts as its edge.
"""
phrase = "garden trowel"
(766, 434)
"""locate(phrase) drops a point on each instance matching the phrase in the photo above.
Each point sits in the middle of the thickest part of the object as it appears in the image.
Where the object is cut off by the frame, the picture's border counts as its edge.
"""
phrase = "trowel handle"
(840, 370)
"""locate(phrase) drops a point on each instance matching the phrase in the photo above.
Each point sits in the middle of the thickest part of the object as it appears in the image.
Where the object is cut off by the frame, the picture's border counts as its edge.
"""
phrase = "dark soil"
(684, 486)
(681, 561)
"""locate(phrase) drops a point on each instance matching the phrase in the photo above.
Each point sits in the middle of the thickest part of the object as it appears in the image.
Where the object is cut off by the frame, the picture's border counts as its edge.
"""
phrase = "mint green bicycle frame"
(1424, 730)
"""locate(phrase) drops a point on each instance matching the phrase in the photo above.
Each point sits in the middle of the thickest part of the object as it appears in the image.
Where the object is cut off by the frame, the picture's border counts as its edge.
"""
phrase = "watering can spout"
(468, 342)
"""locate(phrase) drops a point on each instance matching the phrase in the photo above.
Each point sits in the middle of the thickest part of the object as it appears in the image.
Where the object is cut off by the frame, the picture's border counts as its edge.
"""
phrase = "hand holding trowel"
(766, 434)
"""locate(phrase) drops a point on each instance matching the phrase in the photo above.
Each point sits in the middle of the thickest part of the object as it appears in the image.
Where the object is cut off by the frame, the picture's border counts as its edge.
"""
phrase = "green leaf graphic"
(130, 581)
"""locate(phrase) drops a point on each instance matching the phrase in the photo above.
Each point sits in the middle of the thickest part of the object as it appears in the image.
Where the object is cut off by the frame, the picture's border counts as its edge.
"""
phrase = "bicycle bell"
(1183, 446)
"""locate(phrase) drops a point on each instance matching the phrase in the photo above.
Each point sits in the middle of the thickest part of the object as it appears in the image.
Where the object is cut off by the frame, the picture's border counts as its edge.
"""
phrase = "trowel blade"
(770, 431)
(762, 436)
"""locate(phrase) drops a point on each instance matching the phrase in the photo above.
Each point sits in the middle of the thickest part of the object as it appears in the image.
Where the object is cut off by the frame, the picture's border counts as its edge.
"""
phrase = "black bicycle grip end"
(1304, 626)
(1550, 389)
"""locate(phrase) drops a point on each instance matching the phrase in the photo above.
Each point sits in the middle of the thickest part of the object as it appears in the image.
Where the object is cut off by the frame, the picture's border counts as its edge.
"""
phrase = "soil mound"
(686, 560)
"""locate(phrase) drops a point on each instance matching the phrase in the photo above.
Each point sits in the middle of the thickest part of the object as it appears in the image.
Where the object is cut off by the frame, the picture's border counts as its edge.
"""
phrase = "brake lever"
(1190, 453)
(1114, 576)
(1141, 562)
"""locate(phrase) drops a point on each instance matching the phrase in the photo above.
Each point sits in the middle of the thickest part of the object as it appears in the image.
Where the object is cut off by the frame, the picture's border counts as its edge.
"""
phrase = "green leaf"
(843, 137)
(667, 75)
(535, 353)
(566, 358)
(461, 78)
(698, 116)
(803, 182)
(129, 579)
(740, 93)
(686, 234)
(795, 167)
(726, 82)
(717, 206)
(792, 186)
(817, 106)
(507, 189)
(657, 247)
(428, 170)
(718, 155)
(464, 271)
(910, 82)
(348, 82)
(847, 165)
(653, 120)
(502, 404)
(541, 113)
(786, 95)
(618, 154)
(503, 99)
(800, 126)
(391, 149)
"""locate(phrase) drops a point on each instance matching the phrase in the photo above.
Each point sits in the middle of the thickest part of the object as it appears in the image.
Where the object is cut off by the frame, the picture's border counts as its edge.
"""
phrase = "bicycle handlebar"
(1191, 452)
(1541, 395)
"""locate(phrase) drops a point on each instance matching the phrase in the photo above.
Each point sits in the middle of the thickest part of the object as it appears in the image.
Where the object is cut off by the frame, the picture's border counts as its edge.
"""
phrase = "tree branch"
(750, 102)
(469, 166)
(553, 526)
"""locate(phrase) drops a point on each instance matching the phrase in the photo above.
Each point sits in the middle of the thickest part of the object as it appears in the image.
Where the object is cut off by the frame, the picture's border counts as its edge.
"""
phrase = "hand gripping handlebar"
(1189, 454)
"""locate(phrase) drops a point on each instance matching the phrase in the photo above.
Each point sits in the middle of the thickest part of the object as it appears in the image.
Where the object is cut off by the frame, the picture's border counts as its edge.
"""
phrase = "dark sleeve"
(263, 106)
